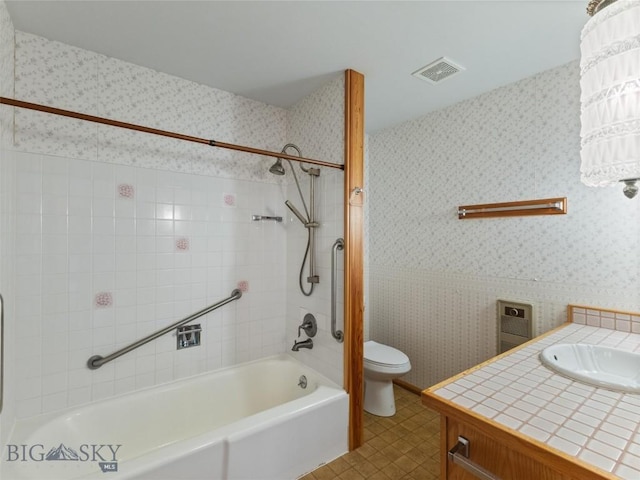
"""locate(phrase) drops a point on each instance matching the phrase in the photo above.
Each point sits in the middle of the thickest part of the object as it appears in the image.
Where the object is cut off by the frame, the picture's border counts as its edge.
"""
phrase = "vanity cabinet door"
(503, 461)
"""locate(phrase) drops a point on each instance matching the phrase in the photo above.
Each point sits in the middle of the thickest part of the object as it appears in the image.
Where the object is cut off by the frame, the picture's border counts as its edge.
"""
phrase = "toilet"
(382, 364)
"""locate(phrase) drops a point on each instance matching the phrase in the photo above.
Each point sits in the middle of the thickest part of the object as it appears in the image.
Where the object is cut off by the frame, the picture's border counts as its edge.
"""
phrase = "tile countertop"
(597, 426)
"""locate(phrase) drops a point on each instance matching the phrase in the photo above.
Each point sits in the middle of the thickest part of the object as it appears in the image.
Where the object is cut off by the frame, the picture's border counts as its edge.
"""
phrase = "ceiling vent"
(437, 71)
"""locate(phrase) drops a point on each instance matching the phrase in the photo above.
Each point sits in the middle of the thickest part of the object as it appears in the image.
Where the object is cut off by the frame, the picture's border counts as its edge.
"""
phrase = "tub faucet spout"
(308, 343)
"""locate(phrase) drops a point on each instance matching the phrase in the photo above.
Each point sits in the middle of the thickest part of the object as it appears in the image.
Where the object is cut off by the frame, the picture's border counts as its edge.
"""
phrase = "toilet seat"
(384, 355)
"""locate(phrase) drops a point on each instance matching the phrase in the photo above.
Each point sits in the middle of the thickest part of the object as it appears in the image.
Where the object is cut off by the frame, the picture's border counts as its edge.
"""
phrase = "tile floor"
(405, 446)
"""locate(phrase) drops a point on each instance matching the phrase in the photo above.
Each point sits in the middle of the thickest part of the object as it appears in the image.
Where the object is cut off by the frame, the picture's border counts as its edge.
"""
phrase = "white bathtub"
(251, 421)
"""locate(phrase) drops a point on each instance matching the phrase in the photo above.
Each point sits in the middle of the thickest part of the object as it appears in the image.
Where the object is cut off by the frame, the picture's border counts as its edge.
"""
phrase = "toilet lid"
(380, 354)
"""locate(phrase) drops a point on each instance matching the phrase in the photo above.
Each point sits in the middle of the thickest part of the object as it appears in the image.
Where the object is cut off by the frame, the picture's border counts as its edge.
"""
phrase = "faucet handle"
(309, 325)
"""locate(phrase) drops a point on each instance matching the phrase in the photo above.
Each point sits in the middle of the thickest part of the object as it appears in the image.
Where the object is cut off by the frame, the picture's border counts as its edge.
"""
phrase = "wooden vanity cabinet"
(505, 454)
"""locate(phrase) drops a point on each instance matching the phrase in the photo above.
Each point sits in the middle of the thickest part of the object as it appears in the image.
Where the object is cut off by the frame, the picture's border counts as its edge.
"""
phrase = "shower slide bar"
(130, 126)
(97, 360)
(337, 245)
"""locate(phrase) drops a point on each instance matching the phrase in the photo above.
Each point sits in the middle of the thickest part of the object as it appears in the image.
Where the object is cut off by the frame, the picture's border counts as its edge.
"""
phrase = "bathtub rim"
(26, 422)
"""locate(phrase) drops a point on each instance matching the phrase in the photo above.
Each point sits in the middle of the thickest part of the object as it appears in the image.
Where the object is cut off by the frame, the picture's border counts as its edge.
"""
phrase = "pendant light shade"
(610, 96)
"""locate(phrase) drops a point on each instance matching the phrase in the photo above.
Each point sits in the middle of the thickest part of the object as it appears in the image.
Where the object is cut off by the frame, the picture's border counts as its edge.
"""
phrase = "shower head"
(277, 168)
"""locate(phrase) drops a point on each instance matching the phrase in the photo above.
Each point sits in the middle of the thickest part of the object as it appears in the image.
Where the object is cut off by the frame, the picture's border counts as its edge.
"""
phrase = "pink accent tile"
(243, 286)
(103, 300)
(126, 191)
(182, 244)
(229, 200)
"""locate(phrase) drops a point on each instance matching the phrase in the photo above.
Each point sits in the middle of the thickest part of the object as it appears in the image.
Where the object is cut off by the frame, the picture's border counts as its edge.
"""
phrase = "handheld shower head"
(277, 168)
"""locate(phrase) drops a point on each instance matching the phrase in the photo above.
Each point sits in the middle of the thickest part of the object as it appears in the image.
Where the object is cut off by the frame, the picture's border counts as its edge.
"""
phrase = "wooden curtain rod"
(164, 133)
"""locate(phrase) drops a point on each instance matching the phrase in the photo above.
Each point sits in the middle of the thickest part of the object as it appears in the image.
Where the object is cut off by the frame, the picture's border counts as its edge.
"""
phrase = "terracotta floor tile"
(378, 443)
(380, 461)
(339, 465)
(394, 472)
(322, 473)
(367, 450)
(378, 476)
(404, 445)
(406, 464)
(351, 474)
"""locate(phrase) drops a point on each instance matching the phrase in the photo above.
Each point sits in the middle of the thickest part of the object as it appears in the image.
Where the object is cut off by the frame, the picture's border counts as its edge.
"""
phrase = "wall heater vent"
(515, 324)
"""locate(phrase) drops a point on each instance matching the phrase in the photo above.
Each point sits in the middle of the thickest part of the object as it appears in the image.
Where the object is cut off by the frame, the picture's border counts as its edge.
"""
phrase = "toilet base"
(379, 398)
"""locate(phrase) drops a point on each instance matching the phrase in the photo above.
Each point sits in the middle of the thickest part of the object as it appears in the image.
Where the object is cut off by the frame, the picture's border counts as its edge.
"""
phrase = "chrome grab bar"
(459, 455)
(337, 245)
(97, 360)
(1, 349)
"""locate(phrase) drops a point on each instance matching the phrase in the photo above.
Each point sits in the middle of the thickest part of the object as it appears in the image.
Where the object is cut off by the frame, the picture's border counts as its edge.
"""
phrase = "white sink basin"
(599, 366)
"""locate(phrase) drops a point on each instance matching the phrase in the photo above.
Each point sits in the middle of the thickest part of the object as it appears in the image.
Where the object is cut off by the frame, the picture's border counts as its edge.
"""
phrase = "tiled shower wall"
(119, 233)
(435, 280)
(106, 254)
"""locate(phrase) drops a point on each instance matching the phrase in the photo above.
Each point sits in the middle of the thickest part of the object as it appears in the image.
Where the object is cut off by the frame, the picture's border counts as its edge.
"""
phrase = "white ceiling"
(279, 51)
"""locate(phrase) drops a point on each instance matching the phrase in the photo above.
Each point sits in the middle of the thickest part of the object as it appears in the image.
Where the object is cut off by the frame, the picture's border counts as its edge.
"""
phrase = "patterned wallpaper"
(6, 71)
(435, 280)
(122, 91)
